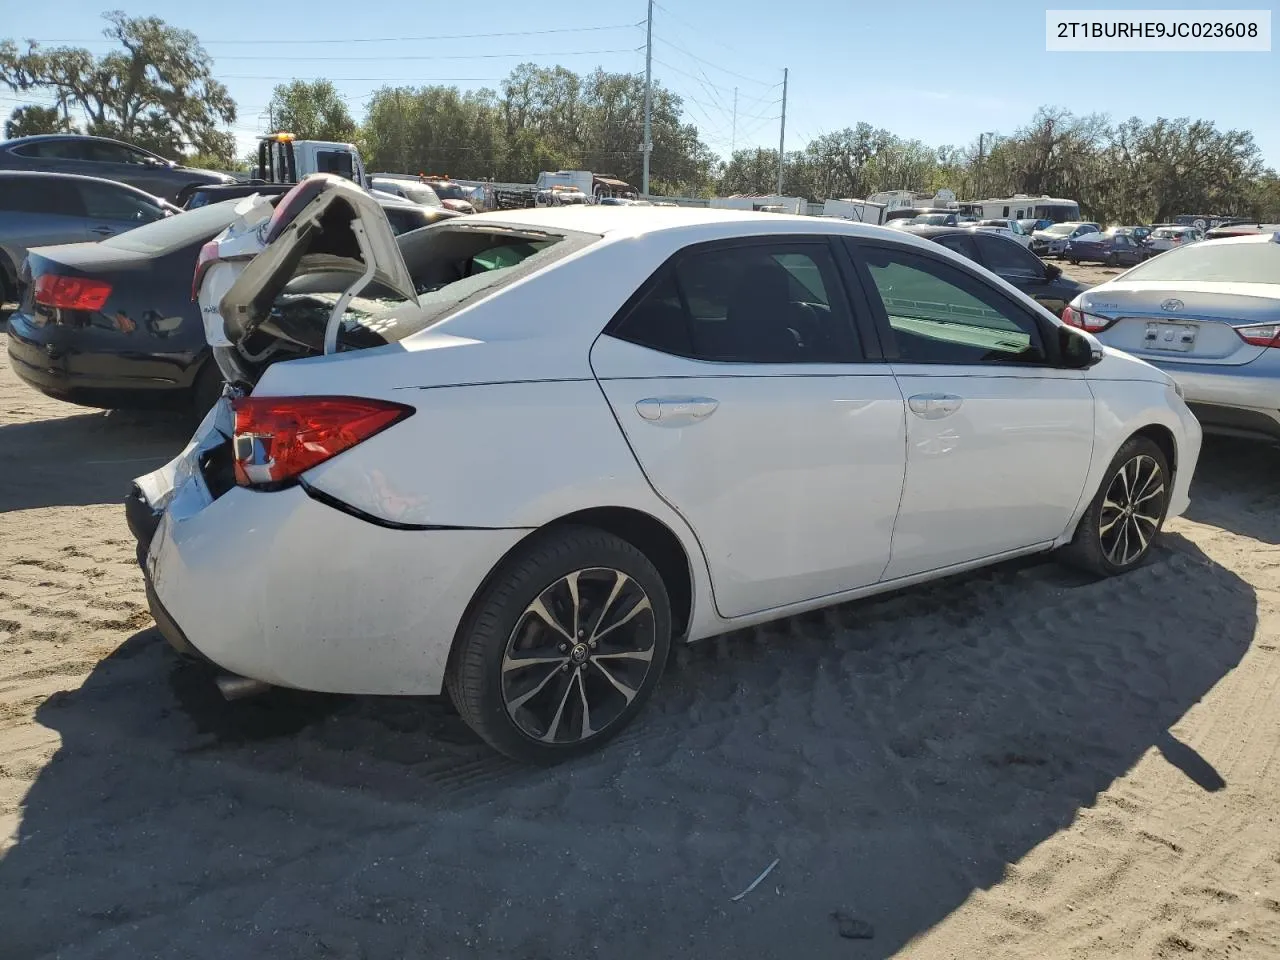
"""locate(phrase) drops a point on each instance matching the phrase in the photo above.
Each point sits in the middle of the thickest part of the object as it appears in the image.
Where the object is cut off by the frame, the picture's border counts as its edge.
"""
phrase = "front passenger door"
(999, 439)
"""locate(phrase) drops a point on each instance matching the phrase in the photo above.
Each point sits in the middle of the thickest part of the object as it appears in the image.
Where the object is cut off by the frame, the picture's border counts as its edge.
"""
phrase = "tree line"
(158, 90)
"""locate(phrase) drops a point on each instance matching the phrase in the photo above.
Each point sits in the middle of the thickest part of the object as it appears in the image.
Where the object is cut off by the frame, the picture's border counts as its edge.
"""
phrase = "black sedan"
(1010, 261)
(113, 324)
(1116, 248)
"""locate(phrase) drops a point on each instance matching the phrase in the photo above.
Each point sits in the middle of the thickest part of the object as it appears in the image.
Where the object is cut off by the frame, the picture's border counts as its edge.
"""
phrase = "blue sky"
(936, 70)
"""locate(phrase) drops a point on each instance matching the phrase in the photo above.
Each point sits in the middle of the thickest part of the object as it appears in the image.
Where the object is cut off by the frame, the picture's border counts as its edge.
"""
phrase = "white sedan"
(517, 456)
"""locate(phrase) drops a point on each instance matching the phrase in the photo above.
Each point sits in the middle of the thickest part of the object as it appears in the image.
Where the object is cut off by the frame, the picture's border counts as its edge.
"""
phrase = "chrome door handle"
(676, 410)
(934, 406)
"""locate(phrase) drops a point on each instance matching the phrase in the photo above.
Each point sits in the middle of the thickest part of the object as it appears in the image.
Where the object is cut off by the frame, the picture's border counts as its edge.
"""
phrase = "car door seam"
(702, 550)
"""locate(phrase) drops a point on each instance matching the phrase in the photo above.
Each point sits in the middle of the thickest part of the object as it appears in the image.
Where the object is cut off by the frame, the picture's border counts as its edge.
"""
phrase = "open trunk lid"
(326, 217)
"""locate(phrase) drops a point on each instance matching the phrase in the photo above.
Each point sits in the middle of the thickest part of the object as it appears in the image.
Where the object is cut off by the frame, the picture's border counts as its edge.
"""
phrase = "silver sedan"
(1208, 314)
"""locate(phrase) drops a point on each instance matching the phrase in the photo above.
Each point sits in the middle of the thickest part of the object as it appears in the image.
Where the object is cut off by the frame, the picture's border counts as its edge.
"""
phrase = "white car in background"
(517, 456)
(1170, 238)
(1006, 228)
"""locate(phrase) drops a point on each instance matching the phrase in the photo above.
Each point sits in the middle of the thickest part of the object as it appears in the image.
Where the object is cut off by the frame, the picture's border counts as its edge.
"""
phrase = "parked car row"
(113, 323)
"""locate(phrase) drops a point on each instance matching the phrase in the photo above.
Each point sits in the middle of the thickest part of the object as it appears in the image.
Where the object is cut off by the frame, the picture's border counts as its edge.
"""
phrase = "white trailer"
(863, 211)
(770, 204)
(1024, 206)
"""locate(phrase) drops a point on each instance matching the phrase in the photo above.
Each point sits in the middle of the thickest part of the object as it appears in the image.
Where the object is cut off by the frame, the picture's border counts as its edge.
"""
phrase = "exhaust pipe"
(237, 688)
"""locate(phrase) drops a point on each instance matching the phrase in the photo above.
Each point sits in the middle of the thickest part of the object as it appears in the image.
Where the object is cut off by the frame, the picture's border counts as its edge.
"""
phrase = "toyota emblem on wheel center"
(1171, 305)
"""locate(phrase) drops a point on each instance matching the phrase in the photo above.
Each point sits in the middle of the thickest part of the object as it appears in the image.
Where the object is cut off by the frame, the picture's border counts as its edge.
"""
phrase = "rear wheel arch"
(653, 538)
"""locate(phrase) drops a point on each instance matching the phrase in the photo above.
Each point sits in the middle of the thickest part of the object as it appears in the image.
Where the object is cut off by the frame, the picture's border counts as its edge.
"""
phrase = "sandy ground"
(1020, 763)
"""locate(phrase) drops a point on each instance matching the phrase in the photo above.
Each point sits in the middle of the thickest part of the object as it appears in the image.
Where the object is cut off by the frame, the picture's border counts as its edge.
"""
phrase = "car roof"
(632, 221)
(933, 231)
(43, 137)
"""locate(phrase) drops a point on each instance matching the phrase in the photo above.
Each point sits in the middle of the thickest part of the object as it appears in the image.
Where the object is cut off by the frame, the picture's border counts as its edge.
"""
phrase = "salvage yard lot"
(1017, 763)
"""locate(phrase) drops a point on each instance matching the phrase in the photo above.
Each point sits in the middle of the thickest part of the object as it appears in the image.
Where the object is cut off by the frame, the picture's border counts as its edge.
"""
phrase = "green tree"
(30, 120)
(157, 91)
(312, 110)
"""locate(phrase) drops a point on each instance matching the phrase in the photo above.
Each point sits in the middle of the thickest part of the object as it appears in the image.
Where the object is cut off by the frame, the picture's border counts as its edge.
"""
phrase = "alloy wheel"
(578, 655)
(1131, 510)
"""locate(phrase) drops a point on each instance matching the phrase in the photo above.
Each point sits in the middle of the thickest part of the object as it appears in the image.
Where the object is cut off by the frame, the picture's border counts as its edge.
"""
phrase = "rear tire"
(542, 691)
(1126, 515)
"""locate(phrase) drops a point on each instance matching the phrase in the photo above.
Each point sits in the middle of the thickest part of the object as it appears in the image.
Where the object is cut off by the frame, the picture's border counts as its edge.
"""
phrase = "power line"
(435, 56)
(701, 32)
(275, 42)
(714, 66)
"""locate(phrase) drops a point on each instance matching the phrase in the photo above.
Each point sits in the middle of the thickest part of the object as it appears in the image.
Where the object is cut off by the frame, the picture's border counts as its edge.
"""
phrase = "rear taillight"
(71, 293)
(278, 438)
(1260, 334)
(1075, 317)
(208, 256)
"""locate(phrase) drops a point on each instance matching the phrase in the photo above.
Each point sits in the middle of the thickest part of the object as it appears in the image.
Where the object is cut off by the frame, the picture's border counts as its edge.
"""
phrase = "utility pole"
(648, 99)
(782, 129)
(733, 140)
(982, 138)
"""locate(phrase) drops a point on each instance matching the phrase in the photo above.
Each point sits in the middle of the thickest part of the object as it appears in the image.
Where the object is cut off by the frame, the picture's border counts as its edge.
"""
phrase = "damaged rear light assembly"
(276, 439)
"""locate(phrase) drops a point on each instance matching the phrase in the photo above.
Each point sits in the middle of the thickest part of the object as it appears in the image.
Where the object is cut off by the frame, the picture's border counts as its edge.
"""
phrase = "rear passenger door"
(42, 210)
(999, 438)
(756, 402)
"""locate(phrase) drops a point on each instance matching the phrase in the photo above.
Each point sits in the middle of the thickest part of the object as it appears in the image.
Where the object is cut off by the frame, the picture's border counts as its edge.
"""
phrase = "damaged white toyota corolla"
(516, 456)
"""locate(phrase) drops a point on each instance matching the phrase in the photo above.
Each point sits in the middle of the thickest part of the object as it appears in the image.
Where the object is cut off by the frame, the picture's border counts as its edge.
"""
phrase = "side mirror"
(1052, 271)
(1078, 350)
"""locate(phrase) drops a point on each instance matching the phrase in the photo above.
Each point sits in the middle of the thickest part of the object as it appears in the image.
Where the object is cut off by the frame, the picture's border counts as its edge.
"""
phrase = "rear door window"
(961, 245)
(53, 195)
(1008, 258)
(761, 303)
(69, 149)
(104, 201)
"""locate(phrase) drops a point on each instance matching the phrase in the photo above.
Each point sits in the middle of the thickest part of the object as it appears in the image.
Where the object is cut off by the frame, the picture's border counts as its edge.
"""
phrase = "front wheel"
(1124, 518)
(563, 647)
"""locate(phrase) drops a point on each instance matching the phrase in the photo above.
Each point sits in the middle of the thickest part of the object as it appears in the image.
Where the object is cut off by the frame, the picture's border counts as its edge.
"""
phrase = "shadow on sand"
(1237, 489)
(84, 459)
(893, 754)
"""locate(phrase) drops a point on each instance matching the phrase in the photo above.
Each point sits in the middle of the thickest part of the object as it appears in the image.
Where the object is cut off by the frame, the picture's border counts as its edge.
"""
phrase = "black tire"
(1112, 260)
(480, 676)
(1075, 263)
(206, 390)
(1095, 547)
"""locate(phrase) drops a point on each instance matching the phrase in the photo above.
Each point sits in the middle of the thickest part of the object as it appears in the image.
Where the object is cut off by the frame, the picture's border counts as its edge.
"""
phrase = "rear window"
(451, 266)
(180, 230)
(1214, 262)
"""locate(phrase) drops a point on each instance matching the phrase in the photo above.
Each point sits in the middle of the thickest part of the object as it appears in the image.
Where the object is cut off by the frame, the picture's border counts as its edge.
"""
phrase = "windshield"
(933, 219)
(173, 233)
(1059, 229)
(449, 191)
(1214, 262)
(420, 193)
(1167, 234)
